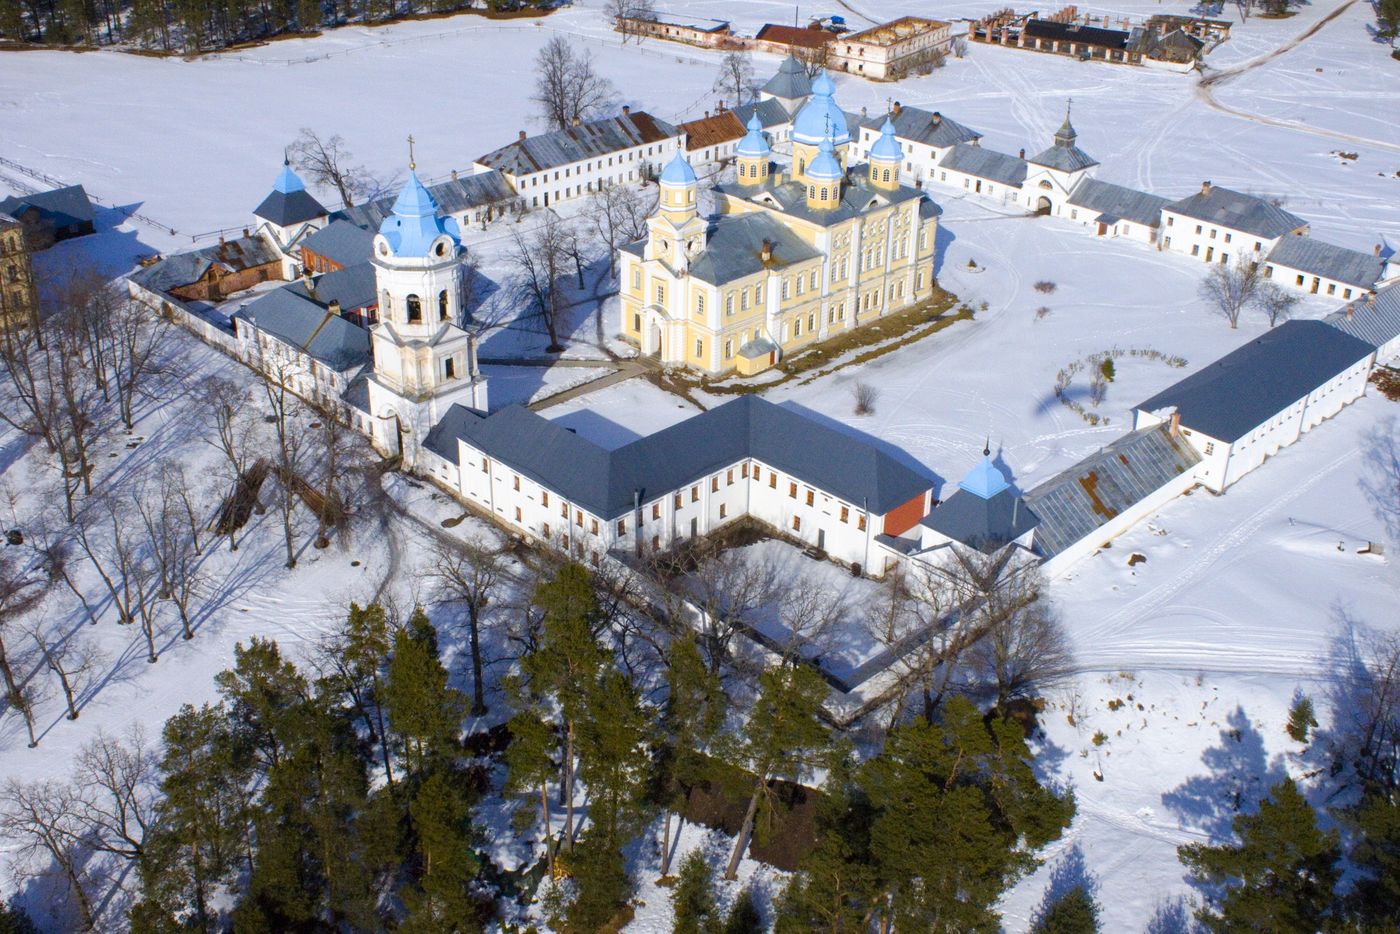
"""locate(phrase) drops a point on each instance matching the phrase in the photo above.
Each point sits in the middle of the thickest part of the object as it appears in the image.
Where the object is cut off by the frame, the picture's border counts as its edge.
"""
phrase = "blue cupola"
(754, 145)
(886, 148)
(678, 171)
(820, 118)
(984, 480)
(414, 226)
(825, 167)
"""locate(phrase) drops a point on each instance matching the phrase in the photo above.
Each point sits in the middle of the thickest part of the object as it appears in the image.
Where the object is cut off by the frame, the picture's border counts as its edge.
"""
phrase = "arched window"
(887, 175)
(811, 191)
(385, 305)
(826, 192)
(415, 310)
(442, 305)
(1044, 183)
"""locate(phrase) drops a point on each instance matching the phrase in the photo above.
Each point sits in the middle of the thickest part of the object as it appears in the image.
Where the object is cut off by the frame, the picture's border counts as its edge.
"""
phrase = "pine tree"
(423, 711)
(1300, 718)
(782, 737)
(1281, 874)
(613, 758)
(1073, 912)
(693, 898)
(358, 657)
(1375, 823)
(744, 916)
(441, 901)
(261, 691)
(530, 765)
(601, 886)
(14, 920)
(691, 719)
(568, 661)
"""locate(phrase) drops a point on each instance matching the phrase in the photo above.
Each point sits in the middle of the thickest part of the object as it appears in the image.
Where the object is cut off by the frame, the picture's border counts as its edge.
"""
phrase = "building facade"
(1217, 224)
(19, 298)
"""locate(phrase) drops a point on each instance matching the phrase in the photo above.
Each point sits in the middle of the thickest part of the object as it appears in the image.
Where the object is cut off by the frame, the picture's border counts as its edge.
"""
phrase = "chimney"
(578, 121)
(1174, 424)
(334, 307)
(626, 109)
(522, 136)
(1205, 188)
(937, 118)
(897, 108)
(454, 175)
(862, 112)
(245, 237)
(1022, 154)
(767, 250)
(1375, 250)
(721, 105)
(707, 115)
(1351, 311)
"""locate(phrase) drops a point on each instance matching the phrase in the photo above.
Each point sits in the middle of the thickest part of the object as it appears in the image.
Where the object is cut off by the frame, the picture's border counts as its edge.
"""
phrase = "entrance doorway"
(1043, 206)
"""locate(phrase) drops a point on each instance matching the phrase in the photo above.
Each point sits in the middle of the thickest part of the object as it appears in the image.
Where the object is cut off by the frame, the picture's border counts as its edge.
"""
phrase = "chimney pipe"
(767, 250)
(1174, 424)
(334, 307)
(245, 237)
(1351, 311)
(1376, 250)
(626, 109)
(897, 108)
(1205, 188)
(522, 136)
(578, 121)
(1022, 153)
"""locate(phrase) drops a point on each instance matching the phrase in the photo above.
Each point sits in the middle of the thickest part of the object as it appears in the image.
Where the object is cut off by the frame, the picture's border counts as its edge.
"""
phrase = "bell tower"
(424, 361)
(676, 230)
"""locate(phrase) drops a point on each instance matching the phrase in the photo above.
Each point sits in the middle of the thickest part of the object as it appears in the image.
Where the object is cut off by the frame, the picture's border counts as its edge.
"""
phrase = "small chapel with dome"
(790, 256)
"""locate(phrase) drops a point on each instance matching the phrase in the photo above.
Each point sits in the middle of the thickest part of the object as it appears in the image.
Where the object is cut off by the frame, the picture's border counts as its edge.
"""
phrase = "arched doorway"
(1043, 205)
(651, 346)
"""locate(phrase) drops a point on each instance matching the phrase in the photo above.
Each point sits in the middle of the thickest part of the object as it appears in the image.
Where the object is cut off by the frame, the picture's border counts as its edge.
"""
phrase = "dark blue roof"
(1247, 387)
(63, 206)
(300, 321)
(341, 242)
(285, 208)
(984, 524)
(604, 482)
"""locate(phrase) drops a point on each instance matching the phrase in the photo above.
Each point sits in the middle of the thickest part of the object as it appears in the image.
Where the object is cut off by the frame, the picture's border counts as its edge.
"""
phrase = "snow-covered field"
(1241, 595)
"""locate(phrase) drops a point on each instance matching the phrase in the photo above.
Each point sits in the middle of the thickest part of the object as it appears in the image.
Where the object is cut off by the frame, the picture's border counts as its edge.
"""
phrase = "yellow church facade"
(789, 259)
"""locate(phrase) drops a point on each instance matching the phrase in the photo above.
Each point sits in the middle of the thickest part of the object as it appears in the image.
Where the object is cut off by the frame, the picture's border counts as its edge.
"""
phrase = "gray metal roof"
(770, 113)
(577, 143)
(1377, 322)
(1117, 201)
(790, 81)
(340, 242)
(64, 206)
(1247, 387)
(296, 320)
(1238, 211)
(285, 208)
(604, 482)
(929, 128)
(453, 196)
(1064, 158)
(986, 163)
(1072, 504)
(984, 524)
(1318, 258)
(184, 268)
(857, 196)
(353, 287)
(734, 247)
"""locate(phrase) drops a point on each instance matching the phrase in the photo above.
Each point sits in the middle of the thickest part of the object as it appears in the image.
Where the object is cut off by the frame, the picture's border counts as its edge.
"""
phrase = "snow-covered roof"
(929, 128)
(790, 82)
(65, 207)
(1373, 320)
(1237, 211)
(1072, 504)
(1245, 388)
(1319, 258)
(578, 143)
(984, 523)
(986, 163)
(1117, 201)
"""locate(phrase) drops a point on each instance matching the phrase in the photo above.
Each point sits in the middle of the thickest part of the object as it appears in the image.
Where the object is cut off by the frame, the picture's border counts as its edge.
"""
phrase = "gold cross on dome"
(411, 164)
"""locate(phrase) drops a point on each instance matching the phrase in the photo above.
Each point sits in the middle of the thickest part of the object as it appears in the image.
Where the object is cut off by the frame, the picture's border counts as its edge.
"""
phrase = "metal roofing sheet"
(986, 163)
(578, 143)
(929, 128)
(1238, 211)
(1319, 258)
(1376, 321)
(1118, 201)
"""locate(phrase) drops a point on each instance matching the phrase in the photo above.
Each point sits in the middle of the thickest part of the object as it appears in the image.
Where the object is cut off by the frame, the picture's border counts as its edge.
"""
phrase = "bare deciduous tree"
(117, 779)
(69, 658)
(1275, 302)
(469, 574)
(734, 83)
(44, 819)
(235, 433)
(626, 13)
(326, 162)
(568, 90)
(814, 61)
(865, 396)
(541, 259)
(22, 585)
(1229, 288)
(727, 588)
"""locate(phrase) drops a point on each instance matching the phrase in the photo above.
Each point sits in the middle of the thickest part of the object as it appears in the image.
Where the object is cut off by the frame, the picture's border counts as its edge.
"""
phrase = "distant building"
(19, 298)
(1217, 224)
(891, 50)
(1257, 400)
(571, 163)
(784, 40)
(706, 34)
(51, 216)
(211, 273)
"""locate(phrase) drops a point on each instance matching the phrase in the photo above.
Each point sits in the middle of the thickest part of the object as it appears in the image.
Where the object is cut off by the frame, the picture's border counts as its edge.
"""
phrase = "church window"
(636, 278)
(801, 284)
(729, 304)
(442, 305)
(660, 294)
(815, 279)
(826, 192)
(758, 293)
(450, 371)
(786, 284)
(886, 176)
(797, 327)
(699, 303)
(728, 349)
(699, 348)
(636, 322)
(441, 249)
(415, 310)
(385, 303)
(744, 300)
(1044, 183)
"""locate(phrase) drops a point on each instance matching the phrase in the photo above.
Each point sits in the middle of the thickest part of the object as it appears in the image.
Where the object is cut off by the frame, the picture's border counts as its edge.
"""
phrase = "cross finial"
(412, 166)
(286, 156)
(1069, 104)
(987, 448)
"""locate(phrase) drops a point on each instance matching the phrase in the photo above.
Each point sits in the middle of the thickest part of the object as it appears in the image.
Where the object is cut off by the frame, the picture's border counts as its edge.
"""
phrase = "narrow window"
(792, 490)
(442, 305)
(415, 310)
(695, 494)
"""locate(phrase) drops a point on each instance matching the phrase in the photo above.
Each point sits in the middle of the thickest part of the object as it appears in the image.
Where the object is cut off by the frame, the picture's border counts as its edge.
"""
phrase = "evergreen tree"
(691, 719)
(601, 886)
(1301, 718)
(441, 901)
(958, 816)
(530, 765)
(1375, 900)
(744, 916)
(424, 712)
(614, 763)
(1073, 912)
(261, 691)
(14, 920)
(567, 663)
(358, 658)
(1279, 877)
(693, 898)
(780, 739)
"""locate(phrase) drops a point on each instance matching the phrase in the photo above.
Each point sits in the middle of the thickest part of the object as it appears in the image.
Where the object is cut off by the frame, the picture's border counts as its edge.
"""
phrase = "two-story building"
(1217, 224)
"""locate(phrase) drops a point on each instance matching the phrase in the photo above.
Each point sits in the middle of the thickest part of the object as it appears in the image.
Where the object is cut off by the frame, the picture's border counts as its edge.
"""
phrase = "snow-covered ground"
(1241, 594)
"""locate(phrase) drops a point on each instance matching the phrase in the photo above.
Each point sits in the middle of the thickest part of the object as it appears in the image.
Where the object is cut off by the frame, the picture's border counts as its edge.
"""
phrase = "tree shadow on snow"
(1071, 872)
(1240, 775)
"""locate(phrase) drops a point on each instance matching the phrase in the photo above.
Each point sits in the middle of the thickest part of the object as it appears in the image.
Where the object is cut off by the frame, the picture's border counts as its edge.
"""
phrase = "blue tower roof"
(678, 171)
(288, 181)
(825, 166)
(753, 144)
(414, 223)
(820, 117)
(984, 480)
(289, 203)
(886, 148)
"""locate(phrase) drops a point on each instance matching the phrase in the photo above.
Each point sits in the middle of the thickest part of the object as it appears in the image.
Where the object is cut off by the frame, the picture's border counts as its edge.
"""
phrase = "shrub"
(1042, 312)
(1045, 287)
(1106, 368)
(1100, 738)
(1300, 717)
(865, 396)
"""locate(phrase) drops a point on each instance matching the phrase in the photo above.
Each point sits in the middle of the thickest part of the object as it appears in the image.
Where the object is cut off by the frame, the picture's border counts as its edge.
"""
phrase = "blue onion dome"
(825, 167)
(984, 480)
(414, 224)
(886, 148)
(820, 117)
(754, 144)
(678, 171)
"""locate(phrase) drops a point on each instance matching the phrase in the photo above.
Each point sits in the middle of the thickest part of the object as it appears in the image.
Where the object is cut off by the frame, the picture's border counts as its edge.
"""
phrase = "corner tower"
(752, 154)
(885, 157)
